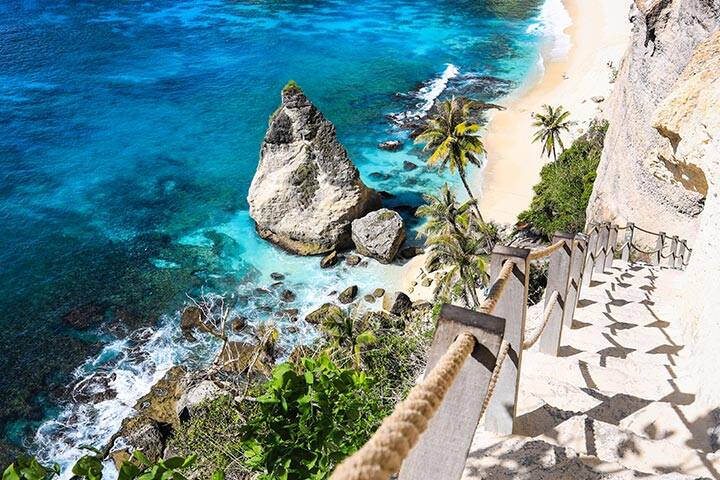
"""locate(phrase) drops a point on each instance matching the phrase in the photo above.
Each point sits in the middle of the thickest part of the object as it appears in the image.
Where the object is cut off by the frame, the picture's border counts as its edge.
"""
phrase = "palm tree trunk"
(467, 188)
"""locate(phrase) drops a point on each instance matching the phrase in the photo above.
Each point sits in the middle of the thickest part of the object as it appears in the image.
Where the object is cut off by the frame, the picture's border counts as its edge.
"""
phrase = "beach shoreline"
(599, 34)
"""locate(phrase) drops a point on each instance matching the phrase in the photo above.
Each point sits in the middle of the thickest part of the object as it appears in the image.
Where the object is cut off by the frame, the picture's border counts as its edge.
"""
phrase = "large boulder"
(379, 234)
(306, 191)
(325, 312)
(397, 303)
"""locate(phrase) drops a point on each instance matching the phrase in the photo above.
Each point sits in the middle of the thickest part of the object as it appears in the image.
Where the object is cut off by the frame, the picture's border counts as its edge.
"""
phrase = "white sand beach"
(599, 34)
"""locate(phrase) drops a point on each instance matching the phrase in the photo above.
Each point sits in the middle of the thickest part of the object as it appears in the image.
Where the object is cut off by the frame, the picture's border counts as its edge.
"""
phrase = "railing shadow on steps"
(473, 367)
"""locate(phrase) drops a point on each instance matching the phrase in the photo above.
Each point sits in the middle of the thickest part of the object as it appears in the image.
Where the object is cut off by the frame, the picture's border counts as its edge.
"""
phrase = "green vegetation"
(317, 408)
(90, 467)
(291, 85)
(309, 418)
(565, 186)
(550, 124)
(453, 137)
(312, 412)
(459, 245)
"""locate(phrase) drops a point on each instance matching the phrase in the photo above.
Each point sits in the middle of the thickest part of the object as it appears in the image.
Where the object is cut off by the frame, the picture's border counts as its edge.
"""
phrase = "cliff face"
(639, 179)
(306, 191)
(689, 120)
(661, 162)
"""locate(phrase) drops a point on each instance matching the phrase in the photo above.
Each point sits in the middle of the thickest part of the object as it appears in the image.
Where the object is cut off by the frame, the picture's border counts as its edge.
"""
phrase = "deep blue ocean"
(129, 134)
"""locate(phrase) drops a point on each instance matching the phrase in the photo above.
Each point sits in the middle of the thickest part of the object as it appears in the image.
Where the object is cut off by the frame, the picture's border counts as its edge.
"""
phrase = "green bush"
(90, 467)
(565, 186)
(310, 417)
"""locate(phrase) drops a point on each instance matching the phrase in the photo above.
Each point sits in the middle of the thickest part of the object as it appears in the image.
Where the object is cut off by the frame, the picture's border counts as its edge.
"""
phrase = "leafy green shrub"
(565, 186)
(90, 467)
(310, 417)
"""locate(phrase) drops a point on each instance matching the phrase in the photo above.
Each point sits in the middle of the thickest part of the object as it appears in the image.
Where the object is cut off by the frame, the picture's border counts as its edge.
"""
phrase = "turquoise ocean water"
(129, 134)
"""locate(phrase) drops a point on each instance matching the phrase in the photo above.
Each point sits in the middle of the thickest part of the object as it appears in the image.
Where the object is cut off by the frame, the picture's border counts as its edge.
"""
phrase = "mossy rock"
(320, 315)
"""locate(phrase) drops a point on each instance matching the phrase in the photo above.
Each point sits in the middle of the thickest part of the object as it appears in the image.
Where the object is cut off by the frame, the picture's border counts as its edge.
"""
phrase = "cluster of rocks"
(307, 195)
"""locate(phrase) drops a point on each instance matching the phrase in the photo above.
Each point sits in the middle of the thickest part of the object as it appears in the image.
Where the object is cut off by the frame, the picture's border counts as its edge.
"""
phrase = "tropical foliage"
(310, 417)
(452, 135)
(550, 124)
(562, 195)
(459, 245)
(442, 213)
(90, 467)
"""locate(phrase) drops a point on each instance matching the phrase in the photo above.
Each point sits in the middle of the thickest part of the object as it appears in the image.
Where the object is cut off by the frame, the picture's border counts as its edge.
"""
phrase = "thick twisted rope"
(502, 355)
(546, 318)
(384, 453)
(493, 296)
(646, 231)
(544, 252)
(653, 252)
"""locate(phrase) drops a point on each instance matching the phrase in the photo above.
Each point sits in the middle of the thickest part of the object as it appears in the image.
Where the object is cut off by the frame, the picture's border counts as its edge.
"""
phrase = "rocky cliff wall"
(689, 121)
(639, 180)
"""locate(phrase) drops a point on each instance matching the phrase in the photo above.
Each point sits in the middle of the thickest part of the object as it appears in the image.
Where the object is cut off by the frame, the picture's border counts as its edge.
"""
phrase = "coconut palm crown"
(453, 137)
(550, 123)
(442, 213)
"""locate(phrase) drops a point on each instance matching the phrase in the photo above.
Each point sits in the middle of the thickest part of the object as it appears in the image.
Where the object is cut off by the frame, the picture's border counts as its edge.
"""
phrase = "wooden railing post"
(659, 247)
(629, 234)
(589, 265)
(442, 449)
(602, 247)
(681, 255)
(512, 306)
(558, 275)
(673, 252)
(612, 244)
(573, 290)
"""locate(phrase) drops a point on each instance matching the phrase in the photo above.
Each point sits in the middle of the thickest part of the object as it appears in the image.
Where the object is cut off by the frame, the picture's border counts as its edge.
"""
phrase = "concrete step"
(693, 426)
(536, 362)
(634, 362)
(520, 458)
(544, 402)
(607, 380)
(609, 443)
(606, 345)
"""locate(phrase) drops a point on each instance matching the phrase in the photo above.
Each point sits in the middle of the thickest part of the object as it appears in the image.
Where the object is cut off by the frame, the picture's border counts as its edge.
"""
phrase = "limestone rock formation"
(379, 234)
(306, 191)
(689, 119)
(637, 179)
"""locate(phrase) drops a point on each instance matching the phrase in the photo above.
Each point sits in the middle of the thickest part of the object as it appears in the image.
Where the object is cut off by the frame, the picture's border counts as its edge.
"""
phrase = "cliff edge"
(638, 179)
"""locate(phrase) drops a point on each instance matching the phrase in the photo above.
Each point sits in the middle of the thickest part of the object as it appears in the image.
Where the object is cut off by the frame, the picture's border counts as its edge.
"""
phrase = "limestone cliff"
(689, 120)
(638, 178)
(306, 191)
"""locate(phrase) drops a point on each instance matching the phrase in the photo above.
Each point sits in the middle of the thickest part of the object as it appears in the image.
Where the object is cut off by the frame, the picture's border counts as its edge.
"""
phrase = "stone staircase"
(613, 404)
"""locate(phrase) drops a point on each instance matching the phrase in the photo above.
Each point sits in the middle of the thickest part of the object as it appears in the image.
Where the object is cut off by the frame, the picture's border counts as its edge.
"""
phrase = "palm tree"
(550, 123)
(349, 332)
(452, 136)
(442, 212)
(462, 263)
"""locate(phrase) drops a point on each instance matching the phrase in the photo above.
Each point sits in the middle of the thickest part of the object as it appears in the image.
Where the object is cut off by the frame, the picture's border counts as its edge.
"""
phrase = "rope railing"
(646, 252)
(528, 343)
(502, 354)
(384, 453)
(391, 444)
(544, 252)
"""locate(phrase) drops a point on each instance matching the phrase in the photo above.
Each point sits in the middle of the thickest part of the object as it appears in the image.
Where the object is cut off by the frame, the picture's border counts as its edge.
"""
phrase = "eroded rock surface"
(638, 180)
(379, 235)
(306, 191)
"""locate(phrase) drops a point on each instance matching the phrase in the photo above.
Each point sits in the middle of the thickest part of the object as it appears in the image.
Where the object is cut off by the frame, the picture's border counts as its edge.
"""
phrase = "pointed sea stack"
(306, 191)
